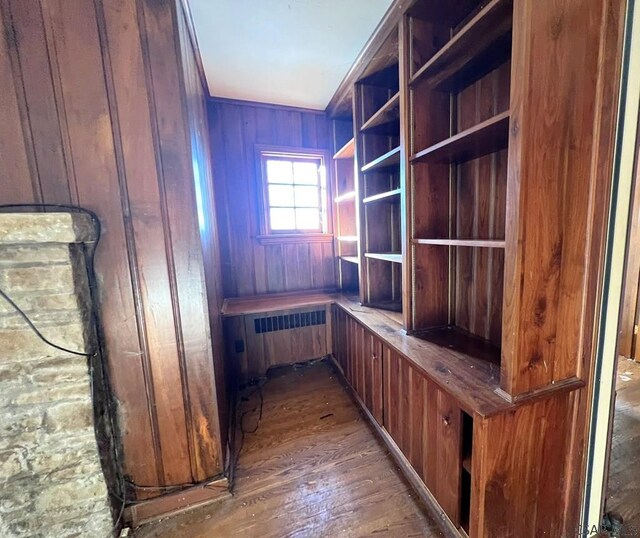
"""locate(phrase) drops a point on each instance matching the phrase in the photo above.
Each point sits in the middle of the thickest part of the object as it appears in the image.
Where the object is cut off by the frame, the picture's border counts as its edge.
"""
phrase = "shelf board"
(482, 243)
(394, 257)
(347, 151)
(351, 259)
(389, 196)
(479, 47)
(346, 197)
(348, 238)
(393, 306)
(389, 159)
(486, 137)
(386, 120)
(459, 340)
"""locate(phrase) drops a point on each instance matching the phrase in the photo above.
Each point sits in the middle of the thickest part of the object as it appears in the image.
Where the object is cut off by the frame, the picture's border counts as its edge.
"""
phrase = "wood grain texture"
(549, 237)
(250, 268)
(519, 471)
(630, 317)
(314, 456)
(106, 102)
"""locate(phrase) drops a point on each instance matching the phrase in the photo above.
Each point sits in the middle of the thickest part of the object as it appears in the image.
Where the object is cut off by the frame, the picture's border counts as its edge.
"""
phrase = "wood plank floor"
(623, 495)
(313, 468)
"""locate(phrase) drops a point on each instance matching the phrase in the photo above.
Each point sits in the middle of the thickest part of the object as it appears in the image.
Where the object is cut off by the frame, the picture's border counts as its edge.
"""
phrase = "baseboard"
(446, 525)
(178, 502)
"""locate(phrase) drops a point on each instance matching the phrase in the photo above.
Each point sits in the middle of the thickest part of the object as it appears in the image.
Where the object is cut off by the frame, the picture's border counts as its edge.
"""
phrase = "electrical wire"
(37, 332)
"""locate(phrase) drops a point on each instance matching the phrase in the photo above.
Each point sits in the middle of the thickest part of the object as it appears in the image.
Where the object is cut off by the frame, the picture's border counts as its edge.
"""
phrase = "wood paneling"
(518, 457)
(630, 317)
(553, 198)
(250, 268)
(102, 107)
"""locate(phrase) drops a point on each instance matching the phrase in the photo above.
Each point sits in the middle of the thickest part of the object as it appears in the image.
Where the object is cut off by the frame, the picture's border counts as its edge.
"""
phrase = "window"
(294, 187)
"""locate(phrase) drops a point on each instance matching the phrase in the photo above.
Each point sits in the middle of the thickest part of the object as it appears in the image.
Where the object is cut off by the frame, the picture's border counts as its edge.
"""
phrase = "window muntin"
(295, 193)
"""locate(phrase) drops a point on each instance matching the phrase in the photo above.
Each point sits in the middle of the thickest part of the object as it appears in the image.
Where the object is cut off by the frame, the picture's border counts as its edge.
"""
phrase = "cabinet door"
(425, 423)
(370, 371)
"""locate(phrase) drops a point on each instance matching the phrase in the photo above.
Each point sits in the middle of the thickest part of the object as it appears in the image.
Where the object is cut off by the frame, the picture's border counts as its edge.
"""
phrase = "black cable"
(37, 332)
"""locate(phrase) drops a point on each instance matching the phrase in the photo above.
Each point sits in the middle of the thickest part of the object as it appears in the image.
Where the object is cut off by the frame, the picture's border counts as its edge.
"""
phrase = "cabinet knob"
(446, 420)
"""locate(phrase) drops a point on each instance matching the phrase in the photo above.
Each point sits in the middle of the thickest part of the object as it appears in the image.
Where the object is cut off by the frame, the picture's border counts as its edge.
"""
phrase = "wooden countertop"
(469, 380)
(240, 306)
(474, 382)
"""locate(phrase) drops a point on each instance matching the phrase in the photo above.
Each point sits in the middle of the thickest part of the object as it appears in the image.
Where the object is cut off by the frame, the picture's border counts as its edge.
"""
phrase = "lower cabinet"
(501, 474)
(425, 423)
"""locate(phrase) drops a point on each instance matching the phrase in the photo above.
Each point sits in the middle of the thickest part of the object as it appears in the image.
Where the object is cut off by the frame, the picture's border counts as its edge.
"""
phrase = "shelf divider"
(486, 137)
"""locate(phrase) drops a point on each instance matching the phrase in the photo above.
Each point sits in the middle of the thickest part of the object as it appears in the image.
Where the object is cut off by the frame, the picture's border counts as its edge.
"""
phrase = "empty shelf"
(350, 259)
(389, 196)
(347, 151)
(386, 120)
(483, 243)
(394, 257)
(389, 159)
(486, 137)
(479, 47)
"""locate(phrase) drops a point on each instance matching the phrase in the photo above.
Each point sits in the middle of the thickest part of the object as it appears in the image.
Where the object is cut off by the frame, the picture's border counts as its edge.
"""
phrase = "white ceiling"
(286, 52)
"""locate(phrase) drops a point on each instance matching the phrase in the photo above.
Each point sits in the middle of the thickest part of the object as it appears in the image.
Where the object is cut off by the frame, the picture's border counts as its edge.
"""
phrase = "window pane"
(306, 173)
(306, 196)
(308, 219)
(281, 195)
(279, 171)
(283, 219)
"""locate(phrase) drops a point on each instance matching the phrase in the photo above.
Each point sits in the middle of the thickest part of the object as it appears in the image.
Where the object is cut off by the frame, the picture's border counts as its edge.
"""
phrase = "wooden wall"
(95, 113)
(250, 268)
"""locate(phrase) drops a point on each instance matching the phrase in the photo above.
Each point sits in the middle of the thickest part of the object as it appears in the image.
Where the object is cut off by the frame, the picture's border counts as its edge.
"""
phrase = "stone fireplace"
(51, 479)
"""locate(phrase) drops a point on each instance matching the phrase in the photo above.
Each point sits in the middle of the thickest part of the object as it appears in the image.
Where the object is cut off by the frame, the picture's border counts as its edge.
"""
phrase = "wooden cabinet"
(359, 354)
(480, 462)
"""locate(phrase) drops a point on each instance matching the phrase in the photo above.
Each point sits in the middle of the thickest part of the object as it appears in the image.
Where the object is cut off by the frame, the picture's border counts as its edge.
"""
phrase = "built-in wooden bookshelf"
(377, 117)
(482, 128)
(345, 207)
(459, 100)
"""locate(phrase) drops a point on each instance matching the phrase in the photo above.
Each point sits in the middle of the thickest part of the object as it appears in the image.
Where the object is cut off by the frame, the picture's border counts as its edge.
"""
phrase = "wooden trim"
(276, 239)
(265, 232)
(389, 23)
(566, 385)
(414, 480)
(241, 102)
(176, 503)
(188, 17)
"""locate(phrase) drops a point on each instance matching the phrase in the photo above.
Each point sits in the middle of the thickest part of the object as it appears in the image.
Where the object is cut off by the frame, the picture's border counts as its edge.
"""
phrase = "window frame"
(269, 236)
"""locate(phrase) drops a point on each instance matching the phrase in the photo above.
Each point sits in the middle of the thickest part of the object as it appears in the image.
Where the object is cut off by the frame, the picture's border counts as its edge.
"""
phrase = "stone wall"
(51, 480)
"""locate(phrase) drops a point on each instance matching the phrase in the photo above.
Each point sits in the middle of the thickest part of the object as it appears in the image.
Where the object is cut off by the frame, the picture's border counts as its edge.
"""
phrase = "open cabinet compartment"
(459, 93)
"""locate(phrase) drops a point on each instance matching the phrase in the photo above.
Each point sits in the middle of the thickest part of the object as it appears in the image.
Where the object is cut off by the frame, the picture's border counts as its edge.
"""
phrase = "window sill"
(274, 239)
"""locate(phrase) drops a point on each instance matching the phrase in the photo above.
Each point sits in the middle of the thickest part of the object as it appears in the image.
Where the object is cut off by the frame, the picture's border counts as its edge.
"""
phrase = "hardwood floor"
(312, 468)
(623, 496)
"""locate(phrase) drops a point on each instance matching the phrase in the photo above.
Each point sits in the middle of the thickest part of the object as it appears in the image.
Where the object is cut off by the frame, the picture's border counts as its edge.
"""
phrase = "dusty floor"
(312, 468)
(623, 496)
